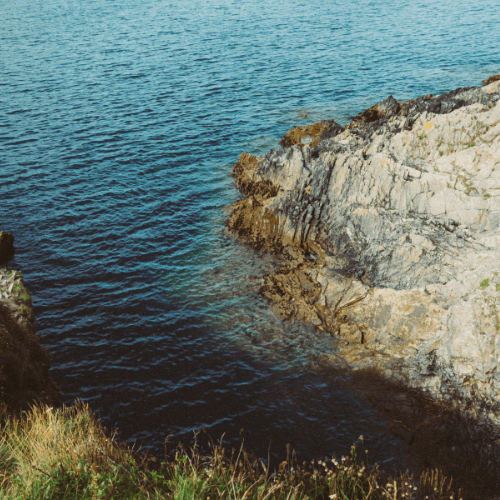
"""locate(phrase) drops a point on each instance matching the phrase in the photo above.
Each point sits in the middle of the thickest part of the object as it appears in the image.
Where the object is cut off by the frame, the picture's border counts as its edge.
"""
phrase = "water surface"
(120, 122)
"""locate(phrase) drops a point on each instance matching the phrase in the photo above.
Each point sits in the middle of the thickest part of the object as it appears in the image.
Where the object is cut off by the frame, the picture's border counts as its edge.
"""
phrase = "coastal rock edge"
(24, 362)
(389, 230)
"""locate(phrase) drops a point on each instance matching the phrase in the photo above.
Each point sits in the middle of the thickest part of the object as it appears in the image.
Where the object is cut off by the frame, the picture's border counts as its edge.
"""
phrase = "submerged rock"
(390, 232)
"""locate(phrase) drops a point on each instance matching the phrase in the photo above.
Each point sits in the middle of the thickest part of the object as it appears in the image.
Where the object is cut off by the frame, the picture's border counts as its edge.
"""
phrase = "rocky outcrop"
(6, 247)
(24, 363)
(389, 230)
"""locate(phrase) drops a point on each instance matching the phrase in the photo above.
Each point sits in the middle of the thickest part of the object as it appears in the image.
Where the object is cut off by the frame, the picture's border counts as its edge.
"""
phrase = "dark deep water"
(119, 124)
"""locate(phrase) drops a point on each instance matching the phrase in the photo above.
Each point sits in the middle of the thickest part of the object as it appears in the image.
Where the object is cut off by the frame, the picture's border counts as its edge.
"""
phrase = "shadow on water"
(247, 368)
(328, 405)
(448, 436)
(270, 387)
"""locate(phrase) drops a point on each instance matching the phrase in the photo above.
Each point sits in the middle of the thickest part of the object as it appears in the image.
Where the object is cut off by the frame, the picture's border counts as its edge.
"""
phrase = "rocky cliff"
(24, 363)
(389, 230)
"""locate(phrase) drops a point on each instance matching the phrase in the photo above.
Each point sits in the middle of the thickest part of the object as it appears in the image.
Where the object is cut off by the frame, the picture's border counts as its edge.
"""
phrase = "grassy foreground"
(66, 453)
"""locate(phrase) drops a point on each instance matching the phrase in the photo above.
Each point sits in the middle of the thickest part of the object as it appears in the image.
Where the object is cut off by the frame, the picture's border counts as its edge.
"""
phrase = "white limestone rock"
(398, 217)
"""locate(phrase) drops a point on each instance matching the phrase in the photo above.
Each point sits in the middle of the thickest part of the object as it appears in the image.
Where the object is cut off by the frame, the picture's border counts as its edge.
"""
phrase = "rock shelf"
(389, 230)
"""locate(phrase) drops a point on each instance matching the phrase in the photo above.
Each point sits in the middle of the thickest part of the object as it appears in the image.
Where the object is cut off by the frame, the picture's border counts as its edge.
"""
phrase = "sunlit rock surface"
(390, 233)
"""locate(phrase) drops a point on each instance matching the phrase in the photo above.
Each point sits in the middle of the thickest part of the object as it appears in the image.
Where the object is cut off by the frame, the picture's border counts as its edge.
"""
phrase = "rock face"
(6, 247)
(390, 232)
(25, 364)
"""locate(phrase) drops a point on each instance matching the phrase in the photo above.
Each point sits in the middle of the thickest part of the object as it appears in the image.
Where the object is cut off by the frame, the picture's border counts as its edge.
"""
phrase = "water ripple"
(121, 121)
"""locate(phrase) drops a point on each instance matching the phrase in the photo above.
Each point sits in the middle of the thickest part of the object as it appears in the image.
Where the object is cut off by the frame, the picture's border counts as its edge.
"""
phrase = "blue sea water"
(120, 121)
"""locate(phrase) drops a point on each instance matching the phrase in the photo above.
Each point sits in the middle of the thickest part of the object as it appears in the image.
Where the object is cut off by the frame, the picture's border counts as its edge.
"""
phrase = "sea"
(120, 121)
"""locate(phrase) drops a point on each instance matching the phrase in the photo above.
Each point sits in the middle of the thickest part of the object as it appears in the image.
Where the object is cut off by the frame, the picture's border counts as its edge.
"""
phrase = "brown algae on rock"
(310, 134)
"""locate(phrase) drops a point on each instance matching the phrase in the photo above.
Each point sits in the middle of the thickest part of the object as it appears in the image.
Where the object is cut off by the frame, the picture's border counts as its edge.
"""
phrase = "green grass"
(20, 292)
(67, 454)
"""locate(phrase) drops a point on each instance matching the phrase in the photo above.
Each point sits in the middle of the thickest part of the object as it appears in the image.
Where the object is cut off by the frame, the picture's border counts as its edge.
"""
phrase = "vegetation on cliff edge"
(66, 453)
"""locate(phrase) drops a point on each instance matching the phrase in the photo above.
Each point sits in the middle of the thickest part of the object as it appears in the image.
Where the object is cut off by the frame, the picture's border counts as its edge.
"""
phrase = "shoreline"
(37, 413)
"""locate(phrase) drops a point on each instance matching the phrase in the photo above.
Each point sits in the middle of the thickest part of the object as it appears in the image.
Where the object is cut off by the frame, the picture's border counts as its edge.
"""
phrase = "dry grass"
(67, 454)
(47, 446)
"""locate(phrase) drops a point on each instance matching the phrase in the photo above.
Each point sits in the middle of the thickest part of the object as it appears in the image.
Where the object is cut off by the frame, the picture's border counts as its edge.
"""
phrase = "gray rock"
(390, 233)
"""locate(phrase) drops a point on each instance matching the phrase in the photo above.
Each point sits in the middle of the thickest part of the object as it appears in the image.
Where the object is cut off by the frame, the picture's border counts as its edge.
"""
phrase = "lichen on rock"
(389, 229)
